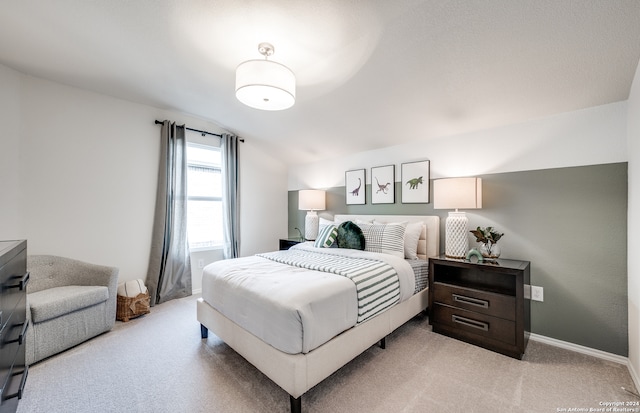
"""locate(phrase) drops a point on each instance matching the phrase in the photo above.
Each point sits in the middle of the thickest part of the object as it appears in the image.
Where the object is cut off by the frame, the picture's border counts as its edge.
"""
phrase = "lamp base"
(457, 238)
(311, 222)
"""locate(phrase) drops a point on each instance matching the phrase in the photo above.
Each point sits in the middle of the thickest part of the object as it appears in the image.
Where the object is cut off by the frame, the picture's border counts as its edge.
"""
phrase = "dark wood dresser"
(481, 303)
(13, 322)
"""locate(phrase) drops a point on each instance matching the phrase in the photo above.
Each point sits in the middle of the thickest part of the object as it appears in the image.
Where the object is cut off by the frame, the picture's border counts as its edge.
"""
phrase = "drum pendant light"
(264, 84)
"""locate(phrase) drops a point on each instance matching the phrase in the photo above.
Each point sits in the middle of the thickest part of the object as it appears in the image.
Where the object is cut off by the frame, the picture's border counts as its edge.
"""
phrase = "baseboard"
(582, 349)
(591, 352)
(196, 291)
(634, 376)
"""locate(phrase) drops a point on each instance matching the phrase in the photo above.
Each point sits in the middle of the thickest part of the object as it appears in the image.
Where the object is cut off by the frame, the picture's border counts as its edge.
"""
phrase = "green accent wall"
(571, 223)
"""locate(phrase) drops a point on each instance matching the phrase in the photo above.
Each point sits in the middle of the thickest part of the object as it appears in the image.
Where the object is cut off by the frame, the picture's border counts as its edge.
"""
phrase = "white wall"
(585, 137)
(633, 229)
(87, 170)
(263, 201)
(11, 224)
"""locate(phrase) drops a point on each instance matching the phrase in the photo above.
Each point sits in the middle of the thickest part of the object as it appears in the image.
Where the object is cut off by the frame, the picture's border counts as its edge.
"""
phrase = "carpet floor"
(158, 363)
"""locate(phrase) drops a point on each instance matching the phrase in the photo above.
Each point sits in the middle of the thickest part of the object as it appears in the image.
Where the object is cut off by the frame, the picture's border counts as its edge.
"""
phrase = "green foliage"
(486, 235)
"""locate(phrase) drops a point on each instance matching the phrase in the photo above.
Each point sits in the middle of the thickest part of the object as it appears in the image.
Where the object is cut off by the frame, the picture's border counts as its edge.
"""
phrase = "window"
(204, 193)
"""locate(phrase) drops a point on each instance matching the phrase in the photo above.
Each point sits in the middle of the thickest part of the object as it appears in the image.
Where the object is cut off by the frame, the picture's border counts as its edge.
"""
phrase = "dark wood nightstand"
(285, 244)
(481, 303)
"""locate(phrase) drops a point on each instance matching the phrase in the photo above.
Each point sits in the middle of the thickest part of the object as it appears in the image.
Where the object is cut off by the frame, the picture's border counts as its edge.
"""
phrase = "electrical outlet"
(537, 293)
(200, 263)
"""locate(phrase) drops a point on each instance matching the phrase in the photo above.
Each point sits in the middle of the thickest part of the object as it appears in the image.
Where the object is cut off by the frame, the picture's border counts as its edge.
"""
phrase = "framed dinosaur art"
(415, 182)
(383, 184)
(355, 187)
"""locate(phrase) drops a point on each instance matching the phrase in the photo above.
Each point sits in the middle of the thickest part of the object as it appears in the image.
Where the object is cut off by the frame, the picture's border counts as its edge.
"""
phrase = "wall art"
(355, 187)
(383, 184)
(415, 182)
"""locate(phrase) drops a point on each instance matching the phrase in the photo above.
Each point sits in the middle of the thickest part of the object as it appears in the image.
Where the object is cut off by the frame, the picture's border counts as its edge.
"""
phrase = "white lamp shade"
(311, 200)
(265, 85)
(457, 193)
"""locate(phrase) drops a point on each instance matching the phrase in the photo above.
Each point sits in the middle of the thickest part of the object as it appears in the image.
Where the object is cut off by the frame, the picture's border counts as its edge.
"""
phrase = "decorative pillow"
(384, 238)
(326, 237)
(411, 237)
(131, 288)
(350, 236)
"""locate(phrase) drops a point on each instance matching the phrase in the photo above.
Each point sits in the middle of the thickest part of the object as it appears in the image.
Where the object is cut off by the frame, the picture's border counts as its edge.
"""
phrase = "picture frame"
(415, 182)
(355, 187)
(383, 184)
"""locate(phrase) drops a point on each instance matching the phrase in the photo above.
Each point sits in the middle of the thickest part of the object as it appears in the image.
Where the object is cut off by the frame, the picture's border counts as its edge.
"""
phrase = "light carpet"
(158, 363)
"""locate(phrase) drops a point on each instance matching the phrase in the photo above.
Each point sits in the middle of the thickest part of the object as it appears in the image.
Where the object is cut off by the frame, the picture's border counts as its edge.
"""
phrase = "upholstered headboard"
(429, 243)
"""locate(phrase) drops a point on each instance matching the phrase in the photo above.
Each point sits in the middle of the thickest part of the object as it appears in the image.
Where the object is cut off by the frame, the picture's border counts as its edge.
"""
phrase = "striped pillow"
(384, 238)
(326, 237)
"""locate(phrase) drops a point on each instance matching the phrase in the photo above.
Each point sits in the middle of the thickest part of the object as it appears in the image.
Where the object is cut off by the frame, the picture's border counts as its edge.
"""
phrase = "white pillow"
(355, 221)
(384, 238)
(411, 238)
(362, 221)
(131, 288)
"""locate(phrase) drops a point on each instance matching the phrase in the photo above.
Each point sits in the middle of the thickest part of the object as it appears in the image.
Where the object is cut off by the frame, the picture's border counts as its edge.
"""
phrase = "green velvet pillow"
(350, 236)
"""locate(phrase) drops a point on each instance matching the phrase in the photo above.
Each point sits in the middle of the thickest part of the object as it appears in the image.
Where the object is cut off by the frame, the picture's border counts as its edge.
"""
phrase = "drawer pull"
(470, 323)
(25, 326)
(23, 381)
(24, 280)
(471, 301)
(23, 332)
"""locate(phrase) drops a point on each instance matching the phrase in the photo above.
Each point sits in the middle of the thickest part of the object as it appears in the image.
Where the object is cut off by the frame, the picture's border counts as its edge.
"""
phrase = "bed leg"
(296, 404)
(204, 332)
(383, 343)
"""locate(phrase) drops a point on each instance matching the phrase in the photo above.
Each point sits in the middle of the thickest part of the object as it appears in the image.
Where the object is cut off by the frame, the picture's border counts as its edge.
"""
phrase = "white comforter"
(293, 309)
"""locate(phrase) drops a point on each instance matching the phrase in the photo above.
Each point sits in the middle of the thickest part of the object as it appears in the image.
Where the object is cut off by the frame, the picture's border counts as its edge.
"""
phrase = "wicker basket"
(132, 307)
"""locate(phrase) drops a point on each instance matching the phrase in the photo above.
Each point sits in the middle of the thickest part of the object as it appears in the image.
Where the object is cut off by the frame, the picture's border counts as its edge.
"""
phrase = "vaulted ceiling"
(370, 73)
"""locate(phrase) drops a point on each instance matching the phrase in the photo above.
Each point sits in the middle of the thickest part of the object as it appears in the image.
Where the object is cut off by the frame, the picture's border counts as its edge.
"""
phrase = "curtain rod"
(203, 132)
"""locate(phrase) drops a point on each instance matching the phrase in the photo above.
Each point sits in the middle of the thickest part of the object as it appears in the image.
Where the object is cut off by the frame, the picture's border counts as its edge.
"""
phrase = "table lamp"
(311, 200)
(457, 193)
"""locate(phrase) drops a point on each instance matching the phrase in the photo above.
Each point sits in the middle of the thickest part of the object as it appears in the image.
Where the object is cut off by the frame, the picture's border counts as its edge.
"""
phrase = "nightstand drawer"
(498, 305)
(474, 323)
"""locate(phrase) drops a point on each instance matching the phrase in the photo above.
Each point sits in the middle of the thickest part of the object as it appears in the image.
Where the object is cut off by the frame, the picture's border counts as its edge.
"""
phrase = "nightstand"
(481, 303)
(285, 244)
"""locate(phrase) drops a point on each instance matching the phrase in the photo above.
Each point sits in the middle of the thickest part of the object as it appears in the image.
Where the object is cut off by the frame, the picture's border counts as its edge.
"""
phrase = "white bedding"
(293, 309)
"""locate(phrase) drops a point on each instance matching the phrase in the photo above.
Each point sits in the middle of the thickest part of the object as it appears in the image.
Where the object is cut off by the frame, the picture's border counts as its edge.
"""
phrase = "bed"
(298, 365)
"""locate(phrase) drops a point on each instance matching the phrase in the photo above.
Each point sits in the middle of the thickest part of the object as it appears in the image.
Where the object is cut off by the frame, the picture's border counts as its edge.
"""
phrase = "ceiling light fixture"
(265, 85)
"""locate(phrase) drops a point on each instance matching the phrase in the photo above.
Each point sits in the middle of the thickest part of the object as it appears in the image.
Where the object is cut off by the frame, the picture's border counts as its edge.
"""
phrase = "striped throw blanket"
(377, 283)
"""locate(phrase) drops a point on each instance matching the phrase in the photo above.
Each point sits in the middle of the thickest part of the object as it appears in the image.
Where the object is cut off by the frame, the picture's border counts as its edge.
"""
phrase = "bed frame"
(297, 373)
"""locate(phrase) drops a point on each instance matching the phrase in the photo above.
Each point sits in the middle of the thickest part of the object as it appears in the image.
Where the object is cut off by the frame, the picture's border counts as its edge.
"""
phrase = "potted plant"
(489, 238)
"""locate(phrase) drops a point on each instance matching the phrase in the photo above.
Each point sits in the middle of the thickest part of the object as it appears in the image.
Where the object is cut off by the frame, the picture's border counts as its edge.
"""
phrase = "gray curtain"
(230, 196)
(169, 273)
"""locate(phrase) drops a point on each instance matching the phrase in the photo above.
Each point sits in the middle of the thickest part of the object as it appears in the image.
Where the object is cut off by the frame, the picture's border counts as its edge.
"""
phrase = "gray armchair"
(68, 302)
